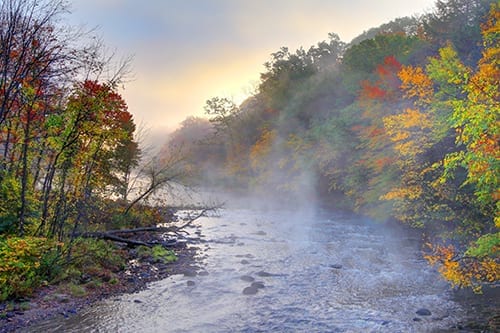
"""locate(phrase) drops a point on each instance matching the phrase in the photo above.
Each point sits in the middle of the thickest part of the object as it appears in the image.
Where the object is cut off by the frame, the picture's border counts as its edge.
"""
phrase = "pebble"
(423, 312)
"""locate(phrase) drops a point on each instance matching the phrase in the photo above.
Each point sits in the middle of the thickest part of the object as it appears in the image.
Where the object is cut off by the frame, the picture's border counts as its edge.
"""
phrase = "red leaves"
(372, 91)
(386, 87)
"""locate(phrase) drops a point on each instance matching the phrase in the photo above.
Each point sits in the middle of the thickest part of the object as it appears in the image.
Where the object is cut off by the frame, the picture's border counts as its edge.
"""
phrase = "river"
(286, 271)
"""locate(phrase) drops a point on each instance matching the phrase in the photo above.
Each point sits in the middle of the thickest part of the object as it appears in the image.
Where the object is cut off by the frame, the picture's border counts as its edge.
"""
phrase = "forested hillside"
(400, 124)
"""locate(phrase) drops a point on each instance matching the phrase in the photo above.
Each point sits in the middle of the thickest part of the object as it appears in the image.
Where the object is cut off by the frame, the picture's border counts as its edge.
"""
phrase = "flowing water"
(315, 272)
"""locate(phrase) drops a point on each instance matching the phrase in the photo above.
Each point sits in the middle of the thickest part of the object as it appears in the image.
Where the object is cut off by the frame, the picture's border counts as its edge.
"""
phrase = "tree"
(458, 22)
(462, 101)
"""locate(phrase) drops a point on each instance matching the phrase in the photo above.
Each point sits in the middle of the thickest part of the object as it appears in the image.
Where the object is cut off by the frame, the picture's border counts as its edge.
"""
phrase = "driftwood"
(120, 235)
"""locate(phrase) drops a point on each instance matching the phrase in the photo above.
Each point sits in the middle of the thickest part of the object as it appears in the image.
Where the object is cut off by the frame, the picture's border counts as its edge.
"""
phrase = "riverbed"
(276, 270)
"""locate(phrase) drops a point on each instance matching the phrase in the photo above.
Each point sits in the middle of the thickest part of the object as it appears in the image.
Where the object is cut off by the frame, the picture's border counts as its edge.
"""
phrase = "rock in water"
(247, 278)
(423, 312)
(264, 274)
(250, 290)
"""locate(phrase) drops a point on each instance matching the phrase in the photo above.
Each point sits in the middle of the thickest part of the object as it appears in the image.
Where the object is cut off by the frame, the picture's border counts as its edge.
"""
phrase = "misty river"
(286, 271)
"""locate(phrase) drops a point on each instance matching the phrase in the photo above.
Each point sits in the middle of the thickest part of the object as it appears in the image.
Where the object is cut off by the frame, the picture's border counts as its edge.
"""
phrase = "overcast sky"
(187, 51)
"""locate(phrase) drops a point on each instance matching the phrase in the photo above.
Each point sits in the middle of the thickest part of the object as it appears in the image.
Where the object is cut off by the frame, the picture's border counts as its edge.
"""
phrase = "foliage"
(467, 271)
(95, 254)
(402, 124)
(23, 264)
(158, 253)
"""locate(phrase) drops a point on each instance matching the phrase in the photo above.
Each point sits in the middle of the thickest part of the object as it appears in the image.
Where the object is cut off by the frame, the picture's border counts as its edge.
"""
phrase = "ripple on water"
(327, 275)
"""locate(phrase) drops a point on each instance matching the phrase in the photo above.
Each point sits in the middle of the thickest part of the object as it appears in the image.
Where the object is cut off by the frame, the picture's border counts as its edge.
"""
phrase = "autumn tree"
(36, 62)
(453, 100)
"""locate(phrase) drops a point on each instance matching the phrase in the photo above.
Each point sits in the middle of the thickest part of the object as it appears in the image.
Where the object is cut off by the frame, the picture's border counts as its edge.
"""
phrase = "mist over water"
(316, 271)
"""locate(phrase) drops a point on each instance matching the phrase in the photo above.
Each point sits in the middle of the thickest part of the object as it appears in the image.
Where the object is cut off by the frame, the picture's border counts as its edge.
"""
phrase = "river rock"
(190, 283)
(245, 262)
(336, 266)
(250, 290)
(423, 312)
(264, 274)
(247, 278)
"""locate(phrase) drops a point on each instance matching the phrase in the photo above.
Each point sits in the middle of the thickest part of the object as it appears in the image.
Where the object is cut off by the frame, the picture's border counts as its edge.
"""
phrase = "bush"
(96, 254)
(22, 264)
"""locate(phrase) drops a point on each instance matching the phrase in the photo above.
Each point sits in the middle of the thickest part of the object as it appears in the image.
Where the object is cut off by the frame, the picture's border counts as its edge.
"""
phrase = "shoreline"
(48, 302)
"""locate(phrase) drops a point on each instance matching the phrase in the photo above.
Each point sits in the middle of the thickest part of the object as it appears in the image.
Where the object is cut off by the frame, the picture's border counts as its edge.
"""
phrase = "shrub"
(22, 264)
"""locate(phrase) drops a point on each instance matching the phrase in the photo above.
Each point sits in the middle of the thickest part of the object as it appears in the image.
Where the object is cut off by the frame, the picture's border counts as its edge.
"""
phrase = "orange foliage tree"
(450, 97)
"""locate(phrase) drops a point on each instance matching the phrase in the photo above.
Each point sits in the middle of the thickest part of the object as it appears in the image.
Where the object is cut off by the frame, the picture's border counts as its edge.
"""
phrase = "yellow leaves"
(490, 269)
(410, 131)
(448, 71)
(20, 260)
(408, 193)
(463, 271)
(491, 28)
(416, 84)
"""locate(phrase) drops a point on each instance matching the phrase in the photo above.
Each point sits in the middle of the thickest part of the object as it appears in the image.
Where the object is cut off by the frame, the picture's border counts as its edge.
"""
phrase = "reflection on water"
(300, 273)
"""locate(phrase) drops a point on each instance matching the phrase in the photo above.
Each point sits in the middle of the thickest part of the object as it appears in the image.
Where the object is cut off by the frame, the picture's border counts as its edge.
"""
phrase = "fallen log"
(117, 234)
(108, 236)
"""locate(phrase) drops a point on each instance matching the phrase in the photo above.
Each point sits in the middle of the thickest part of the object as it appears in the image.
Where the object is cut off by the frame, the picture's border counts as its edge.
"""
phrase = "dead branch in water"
(120, 235)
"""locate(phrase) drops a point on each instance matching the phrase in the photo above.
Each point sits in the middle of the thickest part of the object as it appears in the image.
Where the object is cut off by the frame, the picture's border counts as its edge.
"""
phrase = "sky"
(188, 51)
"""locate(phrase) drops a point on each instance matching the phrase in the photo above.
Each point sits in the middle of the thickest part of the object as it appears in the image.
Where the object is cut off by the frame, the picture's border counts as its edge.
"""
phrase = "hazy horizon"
(186, 52)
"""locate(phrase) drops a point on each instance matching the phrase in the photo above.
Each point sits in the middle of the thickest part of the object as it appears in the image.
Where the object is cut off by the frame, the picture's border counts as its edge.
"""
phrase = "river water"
(312, 272)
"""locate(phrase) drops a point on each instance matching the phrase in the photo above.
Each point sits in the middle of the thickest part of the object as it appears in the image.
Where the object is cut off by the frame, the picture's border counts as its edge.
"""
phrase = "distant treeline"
(402, 123)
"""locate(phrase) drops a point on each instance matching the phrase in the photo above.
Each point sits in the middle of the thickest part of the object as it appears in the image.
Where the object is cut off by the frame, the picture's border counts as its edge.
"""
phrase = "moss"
(158, 253)
(161, 254)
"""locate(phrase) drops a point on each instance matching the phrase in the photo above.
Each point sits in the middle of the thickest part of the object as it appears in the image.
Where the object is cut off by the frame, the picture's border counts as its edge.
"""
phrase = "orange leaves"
(408, 193)
(491, 28)
(416, 84)
(463, 271)
(261, 149)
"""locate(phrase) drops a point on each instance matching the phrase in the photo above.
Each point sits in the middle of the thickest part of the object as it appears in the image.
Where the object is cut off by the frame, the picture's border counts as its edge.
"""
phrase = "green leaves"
(486, 245)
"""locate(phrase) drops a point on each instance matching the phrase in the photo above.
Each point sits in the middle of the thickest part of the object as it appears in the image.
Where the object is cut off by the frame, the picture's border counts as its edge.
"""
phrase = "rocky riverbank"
(49, 301)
